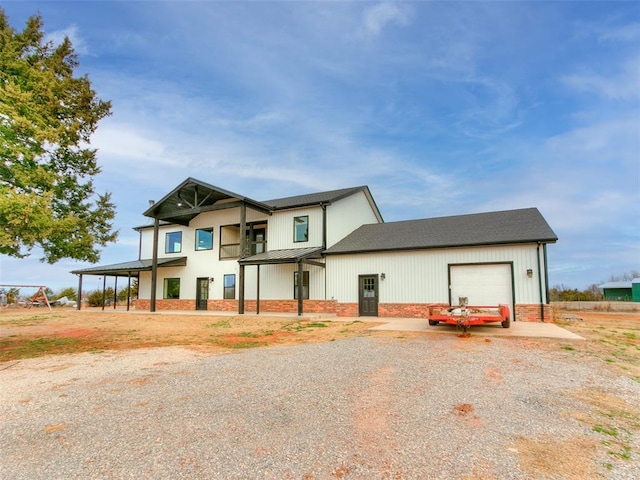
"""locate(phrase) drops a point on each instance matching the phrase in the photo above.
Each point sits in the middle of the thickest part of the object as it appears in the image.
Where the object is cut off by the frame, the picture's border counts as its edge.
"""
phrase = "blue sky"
(441, 108)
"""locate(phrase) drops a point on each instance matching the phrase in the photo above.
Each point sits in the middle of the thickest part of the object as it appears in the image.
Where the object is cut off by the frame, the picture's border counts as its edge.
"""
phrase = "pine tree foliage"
(47, 117)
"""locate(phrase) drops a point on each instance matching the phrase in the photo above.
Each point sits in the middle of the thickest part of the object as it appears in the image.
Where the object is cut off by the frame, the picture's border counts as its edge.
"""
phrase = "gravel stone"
(363, 408)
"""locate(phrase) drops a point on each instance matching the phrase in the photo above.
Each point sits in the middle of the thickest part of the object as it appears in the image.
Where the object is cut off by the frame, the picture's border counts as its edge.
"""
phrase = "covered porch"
(298, 256)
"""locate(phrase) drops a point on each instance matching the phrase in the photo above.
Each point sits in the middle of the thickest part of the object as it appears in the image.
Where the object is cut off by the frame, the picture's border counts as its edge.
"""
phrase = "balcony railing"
(232, 250)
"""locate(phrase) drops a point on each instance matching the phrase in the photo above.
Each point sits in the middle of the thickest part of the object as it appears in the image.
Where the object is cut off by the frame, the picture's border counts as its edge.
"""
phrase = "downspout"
(540, 281)
(546, 273)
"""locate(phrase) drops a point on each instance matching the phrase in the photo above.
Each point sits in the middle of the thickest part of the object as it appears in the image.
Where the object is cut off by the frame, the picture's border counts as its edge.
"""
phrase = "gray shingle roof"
(313, 198)
(492, 228)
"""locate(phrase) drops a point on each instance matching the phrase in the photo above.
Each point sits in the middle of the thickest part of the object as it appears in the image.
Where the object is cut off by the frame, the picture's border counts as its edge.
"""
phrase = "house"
(331, 252)
(622, 291)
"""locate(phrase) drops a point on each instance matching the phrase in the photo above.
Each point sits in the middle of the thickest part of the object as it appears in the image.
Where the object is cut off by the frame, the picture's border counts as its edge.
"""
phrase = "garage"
(483, 284)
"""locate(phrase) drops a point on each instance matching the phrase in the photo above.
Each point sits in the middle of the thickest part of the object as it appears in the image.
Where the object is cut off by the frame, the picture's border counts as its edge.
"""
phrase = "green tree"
(47, 116)
(68, 292)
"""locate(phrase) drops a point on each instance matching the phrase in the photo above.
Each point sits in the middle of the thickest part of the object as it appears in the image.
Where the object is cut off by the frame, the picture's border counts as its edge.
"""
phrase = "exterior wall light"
(529, 273)
(382, 276)
(210, 279)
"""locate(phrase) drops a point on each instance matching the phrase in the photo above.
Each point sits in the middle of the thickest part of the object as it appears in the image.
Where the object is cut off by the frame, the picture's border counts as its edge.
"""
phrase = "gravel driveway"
(364, 408)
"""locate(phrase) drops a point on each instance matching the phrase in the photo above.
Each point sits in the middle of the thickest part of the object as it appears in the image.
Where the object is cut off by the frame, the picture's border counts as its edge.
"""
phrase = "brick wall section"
(406, 310)
(231, 306)
(531, 313)
(347, 310)
(523, 313)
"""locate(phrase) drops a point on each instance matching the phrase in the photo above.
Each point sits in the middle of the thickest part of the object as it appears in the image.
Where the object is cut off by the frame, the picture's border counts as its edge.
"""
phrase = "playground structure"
(39, 298)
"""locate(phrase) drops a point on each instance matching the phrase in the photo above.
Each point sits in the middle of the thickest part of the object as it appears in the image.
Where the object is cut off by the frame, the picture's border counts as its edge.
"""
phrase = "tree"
(47, 116)
(68, 292)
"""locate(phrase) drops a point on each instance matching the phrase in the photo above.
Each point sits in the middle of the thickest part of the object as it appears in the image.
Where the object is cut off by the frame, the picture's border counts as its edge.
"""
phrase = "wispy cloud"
(618, 85)
(379, 16)
(73, 33)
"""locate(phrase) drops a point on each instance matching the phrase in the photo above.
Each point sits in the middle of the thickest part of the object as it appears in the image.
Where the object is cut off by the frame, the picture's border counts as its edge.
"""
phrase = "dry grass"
(33, 333)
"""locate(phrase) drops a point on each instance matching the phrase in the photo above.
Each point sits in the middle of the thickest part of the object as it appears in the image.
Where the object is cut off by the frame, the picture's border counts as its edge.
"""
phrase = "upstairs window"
(301, 229)
(173, 243)
(230, 287)
(305, 285)
(171, 288)
(204, 239)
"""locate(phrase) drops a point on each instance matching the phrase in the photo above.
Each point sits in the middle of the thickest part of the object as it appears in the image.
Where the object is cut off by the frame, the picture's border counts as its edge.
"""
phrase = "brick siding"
(523, 313)
(531, 313)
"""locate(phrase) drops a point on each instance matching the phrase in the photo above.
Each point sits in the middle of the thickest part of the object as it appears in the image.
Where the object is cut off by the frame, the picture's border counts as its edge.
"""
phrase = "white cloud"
(621, 85)
(58, 36)
(379, 16)
(626, 33)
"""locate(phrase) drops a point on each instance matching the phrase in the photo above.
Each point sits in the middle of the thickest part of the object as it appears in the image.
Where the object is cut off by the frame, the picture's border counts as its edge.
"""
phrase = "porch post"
(154, 265)
(128, 290)
(115, 293)
(300, 289)
(243, 242)
(104, 290)
(79, 306)
(241, 291)
(258, 291)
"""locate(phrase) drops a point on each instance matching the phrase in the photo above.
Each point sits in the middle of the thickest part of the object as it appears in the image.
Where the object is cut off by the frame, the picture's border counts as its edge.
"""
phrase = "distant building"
(628, 291)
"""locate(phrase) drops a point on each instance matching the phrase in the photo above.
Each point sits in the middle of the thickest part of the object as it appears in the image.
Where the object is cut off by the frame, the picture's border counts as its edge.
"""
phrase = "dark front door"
(368, 295)
(202, 293)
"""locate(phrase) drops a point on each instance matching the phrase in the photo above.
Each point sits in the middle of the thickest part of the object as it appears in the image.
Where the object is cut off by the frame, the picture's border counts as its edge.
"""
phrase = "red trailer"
(463, 316)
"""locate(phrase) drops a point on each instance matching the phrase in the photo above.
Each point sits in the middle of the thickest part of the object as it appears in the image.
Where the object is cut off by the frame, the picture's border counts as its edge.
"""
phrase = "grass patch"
(568, 347)
(219, 324)
(238, 345)
(25, 348)
(611, 431)
(300, 326)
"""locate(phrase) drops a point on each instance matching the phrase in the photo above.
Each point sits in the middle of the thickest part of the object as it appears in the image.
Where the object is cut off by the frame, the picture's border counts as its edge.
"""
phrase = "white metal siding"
(280, 235)
(346, 215)
(422, 276)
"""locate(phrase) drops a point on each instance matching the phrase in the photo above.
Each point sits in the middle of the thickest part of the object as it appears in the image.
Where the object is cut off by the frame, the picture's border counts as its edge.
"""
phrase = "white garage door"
(488, 284)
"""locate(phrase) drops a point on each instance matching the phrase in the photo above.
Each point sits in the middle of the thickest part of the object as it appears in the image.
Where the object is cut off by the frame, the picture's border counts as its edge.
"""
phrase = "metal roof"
(192, 197)
(290, 255)
(627, 284)
(135, 266)
(313, 198)
(492, 228)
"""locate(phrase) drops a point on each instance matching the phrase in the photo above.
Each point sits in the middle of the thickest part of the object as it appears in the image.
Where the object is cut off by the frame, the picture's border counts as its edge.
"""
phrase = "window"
(301, 229)
(305, 285)
(204, 239)
(229, 286)
(171, 288)
(173, 242)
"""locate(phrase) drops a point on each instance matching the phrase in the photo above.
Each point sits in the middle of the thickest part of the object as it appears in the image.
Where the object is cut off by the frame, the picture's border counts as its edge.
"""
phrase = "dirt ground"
(612, 341)
(26, 333)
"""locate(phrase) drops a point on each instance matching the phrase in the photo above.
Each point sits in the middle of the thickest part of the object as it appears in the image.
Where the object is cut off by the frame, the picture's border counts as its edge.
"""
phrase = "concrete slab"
(517, 329)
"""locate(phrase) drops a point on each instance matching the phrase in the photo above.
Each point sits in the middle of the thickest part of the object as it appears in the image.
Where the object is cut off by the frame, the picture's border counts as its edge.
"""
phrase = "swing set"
(39, 298)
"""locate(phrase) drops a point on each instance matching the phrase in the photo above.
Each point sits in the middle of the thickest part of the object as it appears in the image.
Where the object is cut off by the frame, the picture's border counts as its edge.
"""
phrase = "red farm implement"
(463, 315)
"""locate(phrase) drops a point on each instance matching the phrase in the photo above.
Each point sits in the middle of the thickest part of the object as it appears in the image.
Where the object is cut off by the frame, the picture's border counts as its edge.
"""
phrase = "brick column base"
(531, 313)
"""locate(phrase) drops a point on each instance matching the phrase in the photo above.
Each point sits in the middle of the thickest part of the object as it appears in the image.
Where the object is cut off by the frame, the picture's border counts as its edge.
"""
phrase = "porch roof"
(130, 268)
(291, 255)
(192, 197)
